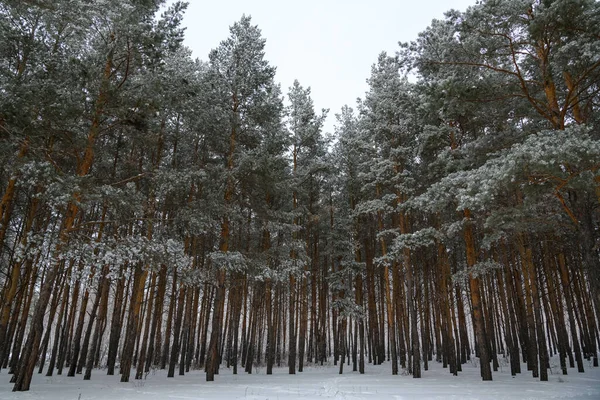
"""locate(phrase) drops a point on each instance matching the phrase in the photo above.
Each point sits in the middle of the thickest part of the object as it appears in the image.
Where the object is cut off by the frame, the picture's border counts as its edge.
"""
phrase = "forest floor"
(314, 383)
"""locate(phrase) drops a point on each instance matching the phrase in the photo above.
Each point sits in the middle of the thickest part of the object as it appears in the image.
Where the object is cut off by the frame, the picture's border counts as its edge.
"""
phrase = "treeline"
(162, 212)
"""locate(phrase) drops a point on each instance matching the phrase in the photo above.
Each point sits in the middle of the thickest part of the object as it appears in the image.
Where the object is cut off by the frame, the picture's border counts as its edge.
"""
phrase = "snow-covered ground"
(314, 383)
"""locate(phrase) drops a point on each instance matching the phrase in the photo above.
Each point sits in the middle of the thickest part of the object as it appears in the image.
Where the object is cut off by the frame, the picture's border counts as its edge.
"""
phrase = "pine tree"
(246, 96)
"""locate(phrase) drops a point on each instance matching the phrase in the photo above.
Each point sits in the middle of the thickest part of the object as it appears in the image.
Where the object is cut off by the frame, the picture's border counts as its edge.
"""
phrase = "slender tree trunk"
(133, 323)
(186, 330)
(103, 292)
(50, 322)
(527, 265)
(474, 285)
(303, 323)
(116, 324)
(61, 320)
(169, 327)
(88, 333)
(177, 331)
(141, 361)
(154, 341)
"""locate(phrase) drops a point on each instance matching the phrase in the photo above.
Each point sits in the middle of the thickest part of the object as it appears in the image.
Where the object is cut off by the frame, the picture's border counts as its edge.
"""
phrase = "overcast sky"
(328, 45)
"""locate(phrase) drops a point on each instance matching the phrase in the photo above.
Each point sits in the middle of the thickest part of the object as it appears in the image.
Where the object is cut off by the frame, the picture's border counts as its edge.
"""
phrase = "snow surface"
(314, 383)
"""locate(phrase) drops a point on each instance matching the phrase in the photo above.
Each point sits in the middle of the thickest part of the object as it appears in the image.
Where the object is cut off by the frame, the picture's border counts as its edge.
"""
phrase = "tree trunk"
(177, 331)
(103, 292)
(116, 324)
(474, 285)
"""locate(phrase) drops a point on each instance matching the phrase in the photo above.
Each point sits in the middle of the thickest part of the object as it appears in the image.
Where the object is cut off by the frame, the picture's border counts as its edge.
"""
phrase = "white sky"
(328, 45)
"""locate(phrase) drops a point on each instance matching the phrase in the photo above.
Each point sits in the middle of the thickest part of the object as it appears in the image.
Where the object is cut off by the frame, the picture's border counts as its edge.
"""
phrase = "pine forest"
(163, 212)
